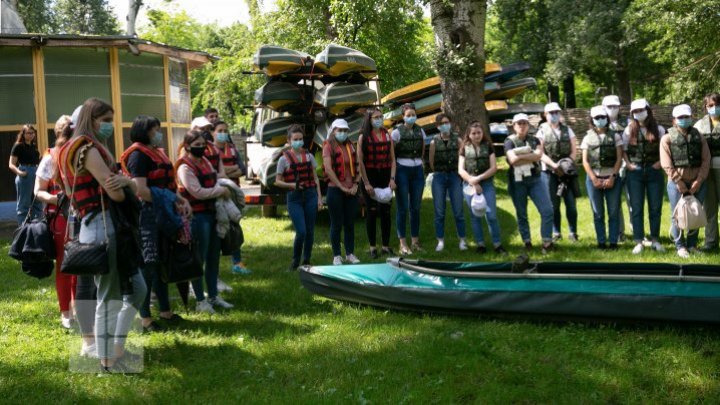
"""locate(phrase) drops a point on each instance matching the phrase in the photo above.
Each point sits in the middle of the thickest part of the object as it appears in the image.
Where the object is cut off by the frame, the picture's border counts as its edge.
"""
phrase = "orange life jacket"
(338, 162)
(376, 152)
(298, 171)
(212, 153)
(163, 173)
(229, 155)
(207, 177)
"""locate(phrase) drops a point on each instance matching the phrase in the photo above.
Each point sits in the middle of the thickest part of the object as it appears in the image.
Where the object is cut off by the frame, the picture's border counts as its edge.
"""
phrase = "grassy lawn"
(281, 344)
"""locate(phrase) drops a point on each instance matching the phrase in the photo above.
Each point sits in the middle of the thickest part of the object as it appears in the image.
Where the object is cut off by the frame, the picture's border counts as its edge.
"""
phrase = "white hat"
(469, 190)
(611, 100)
(598, 110)
(200, 122)
(75, 116)
(680, 110)
(639, 104)
(520, 117)
(552, 107)
(339, 123)
(383, 195)
(478, 205)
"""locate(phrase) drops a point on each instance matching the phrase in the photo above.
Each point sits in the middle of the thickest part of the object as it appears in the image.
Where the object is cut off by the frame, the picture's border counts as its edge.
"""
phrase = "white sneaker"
(683, 253)
(638, 249)
(204, 306)
(352, 259)
(221, 302)
(89, 350)
(66, 321)
(337, 261)
(463, 245)
(222, 287)
(658, 247)
(440, 246)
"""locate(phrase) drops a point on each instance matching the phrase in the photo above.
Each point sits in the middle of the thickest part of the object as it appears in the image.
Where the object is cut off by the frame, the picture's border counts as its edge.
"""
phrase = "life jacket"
(300, 171)
(53, 188)
(338, 162)
(556, 147)
(602, 153)
(163, 173)
(411, 142)
(212, 153)
(685, 152)
(532, 142)
(644, 152)
(616, 126)
(477, 158)
(207, 177)
(376, 152)
(711, 134)
(446, 154)
(228, 155)
(86, 198)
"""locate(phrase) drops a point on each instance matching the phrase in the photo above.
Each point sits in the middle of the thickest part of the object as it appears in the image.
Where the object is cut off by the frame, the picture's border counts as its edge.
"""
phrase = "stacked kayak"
(340, 96)
(637, 291)
(275, 60)
(339, 60)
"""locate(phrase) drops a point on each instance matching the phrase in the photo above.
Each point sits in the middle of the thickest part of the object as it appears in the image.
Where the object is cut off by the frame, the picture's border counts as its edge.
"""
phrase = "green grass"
(281, 344)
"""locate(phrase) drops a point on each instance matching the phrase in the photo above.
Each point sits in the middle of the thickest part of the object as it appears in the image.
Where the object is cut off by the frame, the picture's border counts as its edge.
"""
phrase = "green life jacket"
(712, 135)
(411, 142)
(446, 154)
(477, 159)
(531, 141)
(685, 152)
(644, 152)
(616, 126)
(602, 153)
(557, 147)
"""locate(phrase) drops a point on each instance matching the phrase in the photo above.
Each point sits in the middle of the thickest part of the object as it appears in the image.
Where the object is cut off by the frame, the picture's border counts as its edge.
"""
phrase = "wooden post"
(116, 100)
(40, 100)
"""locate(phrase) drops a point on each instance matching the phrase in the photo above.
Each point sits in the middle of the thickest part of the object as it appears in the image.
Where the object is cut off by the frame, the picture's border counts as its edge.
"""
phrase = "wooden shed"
(45, 76)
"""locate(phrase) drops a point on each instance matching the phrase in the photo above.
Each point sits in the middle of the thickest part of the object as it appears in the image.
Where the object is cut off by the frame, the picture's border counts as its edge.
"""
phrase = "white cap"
(552, 107)
(339, 123)
(611, 100)
(520, 117)
(200, 122)
(639, 104)
(383, 195)
(478, 205)
(74, 117)
(598, 110)
(680, 110)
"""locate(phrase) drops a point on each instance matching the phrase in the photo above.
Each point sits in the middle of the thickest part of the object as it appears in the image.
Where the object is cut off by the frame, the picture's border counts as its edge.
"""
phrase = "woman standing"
(709, 127)
(685, 156)
(558, 143)
(645, 180)
(24, 159)
(197, 183)
(477, 167)
(409, 151)
(446, 181)
(149, 167)
(602, 158)
(87, 167)
(296, 173)
(340, 163)
(376, 156)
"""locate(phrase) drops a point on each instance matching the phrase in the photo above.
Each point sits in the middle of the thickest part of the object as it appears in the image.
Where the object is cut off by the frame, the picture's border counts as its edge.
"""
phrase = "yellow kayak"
(428, 121)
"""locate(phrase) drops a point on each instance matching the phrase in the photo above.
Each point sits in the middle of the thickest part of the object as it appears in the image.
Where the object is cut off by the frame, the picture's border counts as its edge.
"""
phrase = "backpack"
(689, 214)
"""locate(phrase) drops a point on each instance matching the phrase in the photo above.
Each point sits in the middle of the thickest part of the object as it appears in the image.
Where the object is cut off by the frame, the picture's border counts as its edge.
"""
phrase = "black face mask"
(197, 151)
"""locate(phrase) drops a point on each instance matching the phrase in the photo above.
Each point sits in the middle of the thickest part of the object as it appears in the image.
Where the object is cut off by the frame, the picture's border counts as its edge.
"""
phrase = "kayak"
(511, 89)
(427, 123)
(276, 60)
(280, 96)
(340, 60)
(433, 103)
(268, 169)
(354, 122)
(273, 132)
(636, 291)
(508, 72)
(517, 108)
(339, 97)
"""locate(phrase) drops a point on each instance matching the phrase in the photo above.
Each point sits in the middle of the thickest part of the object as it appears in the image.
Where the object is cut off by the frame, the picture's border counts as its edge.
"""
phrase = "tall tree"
(459, 28)
(37, 15)
(85, 17)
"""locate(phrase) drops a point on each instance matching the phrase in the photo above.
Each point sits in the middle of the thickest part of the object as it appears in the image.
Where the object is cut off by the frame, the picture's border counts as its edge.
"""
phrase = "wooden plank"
(10, 128)
(116, 100)
(176, 53)
(40, 98)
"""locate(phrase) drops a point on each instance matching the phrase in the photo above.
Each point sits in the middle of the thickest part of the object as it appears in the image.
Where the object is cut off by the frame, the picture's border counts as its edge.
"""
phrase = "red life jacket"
(212, 153)
(338, 163)
(229, 155)
(163, 173)
(87, 190)
(298, 171)
(376, 152)
(207, 177)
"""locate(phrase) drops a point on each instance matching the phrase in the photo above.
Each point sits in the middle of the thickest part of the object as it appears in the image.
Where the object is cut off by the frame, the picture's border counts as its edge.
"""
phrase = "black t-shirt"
(26, 154)
(139, 164)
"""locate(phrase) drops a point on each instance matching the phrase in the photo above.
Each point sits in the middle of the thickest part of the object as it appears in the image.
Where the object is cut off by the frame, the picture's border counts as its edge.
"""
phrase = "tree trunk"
(459, 27)
(553, 93)
(133, 10)
(569, 91)
(622, 78)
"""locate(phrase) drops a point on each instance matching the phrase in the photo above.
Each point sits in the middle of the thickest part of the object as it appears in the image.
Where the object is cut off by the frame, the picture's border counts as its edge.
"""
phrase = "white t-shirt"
(395, 135)
(626, 135)
(46, 168)
(541, 135)
(603, 171)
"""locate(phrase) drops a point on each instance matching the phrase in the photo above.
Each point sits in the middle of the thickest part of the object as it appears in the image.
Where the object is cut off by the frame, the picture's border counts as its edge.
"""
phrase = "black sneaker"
(602, 246)
(373, 254)
(306, 263)
(501, 251)
(528, 246)
(153, 327)
(481, 249)
(388, 251)
(613, 246)
(173, 319)
(547, 248)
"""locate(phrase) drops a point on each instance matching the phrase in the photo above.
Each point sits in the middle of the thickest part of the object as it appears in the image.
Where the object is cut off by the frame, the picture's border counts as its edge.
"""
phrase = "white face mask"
(613, 112)
(641, 116)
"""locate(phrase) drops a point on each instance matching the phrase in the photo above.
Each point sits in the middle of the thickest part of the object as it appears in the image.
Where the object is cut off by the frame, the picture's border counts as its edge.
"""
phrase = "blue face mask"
(600, 122)
(714, 111)
(410, 120)
(377, 123)
(106, 130)
(298, 144)
(445, 128)
(157, 139)
(684, 123)
(341, 136)
(222, 137)
(554, 118)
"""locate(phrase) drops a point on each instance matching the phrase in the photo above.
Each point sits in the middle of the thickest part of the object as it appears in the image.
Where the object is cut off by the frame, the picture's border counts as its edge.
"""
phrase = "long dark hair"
(367, 126)
(473, 125)
(21, 135)
(140, 128)
(190, 137)
(653, 133)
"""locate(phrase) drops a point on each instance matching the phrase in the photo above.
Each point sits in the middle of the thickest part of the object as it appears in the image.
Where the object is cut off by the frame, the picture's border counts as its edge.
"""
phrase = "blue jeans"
(204, 232)
(151, 274)
(24, 188)
(537, 190)
(448, 184)
(237, 254)
(343, 209)
(678, 235)
(600, 199)
(552, 181)
(302, 207)
(410, 182)
(645, 183)
(490, 215)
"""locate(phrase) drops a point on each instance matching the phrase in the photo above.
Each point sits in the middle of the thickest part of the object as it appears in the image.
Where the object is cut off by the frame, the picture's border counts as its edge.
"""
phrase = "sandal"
(405, 251)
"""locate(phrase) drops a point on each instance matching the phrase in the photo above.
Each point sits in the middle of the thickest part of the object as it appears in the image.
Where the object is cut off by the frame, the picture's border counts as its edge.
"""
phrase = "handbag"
(234, 238)
(184, 262)
(86, 259)
(689, 214)
(33, 246)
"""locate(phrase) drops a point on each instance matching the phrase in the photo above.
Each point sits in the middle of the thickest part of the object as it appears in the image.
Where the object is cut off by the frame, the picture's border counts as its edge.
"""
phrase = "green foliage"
(85, 17)
(38, 15)
(176, 29)
(459, 64)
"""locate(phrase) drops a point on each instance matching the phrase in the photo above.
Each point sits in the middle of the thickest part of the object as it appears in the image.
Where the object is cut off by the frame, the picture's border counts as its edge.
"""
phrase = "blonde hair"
(61, 124)
(92, 109)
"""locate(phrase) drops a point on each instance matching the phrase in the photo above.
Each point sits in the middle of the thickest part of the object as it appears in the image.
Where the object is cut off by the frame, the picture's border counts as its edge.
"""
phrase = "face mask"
(684, 123)
(612, 112)
(297, 145)
(410, 120)
(714, 111)
(157, 139)
(600, 123)
(640, 116)
(377, 123)
(222, 137)
(445, 128)
(341, 136)
(197, 151)
(554, 118)
(106, 130)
